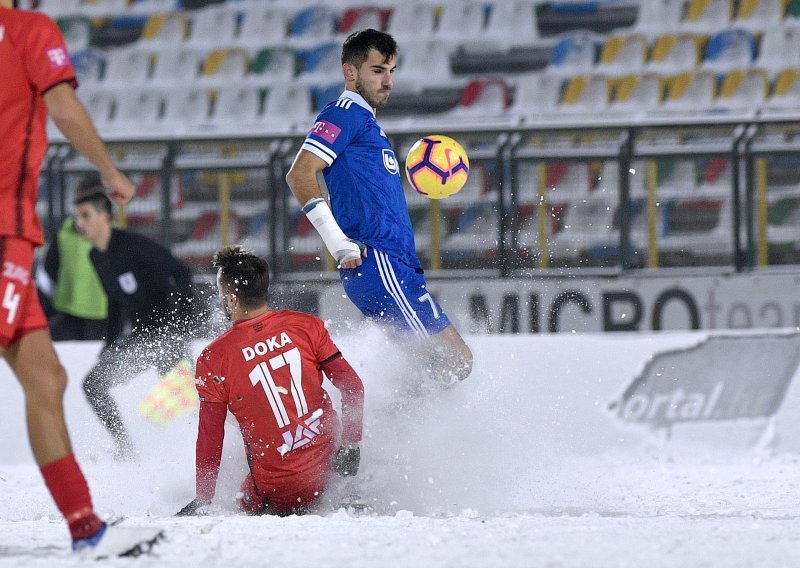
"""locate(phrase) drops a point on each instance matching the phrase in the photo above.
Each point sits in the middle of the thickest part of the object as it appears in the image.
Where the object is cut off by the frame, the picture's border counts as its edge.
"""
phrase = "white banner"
(651, 303)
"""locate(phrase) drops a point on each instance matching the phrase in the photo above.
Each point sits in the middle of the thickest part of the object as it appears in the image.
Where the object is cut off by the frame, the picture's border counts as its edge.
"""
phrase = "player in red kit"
(38, 79)
(268, 371)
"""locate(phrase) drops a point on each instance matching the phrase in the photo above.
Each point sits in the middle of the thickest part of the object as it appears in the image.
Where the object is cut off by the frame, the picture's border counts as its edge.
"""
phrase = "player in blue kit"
(366, 227)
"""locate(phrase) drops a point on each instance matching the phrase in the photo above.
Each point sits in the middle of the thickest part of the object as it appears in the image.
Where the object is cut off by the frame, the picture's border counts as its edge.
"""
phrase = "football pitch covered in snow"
(524, 464)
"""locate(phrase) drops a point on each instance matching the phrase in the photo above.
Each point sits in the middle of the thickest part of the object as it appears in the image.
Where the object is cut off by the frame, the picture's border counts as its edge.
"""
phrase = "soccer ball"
(437, 166)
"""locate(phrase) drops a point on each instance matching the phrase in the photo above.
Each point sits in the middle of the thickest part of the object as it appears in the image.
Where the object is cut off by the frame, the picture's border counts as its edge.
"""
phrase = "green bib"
(78, 288)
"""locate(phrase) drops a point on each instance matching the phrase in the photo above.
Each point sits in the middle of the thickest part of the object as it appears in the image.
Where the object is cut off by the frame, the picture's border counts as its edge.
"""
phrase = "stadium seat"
(707, 16)
(263, 25)
(125, 66)
(168, 29)
(574, 53)
(77, 32)
(657, 17)
(360, 18)
(320, 65)
(411, 21)
(186, 110)
(312, 26)
(779, 49)
(512, 23)
(321, 95)
(676, 177)
(586, 95)
(785, 97)
(623, 53)
(728, 50)
(153, 6)
(272, 65)
(635, 95)
(100, 105)
(689, 93)
(537, 95)
(237, 108)
(423, 64)
(104, 8)
(743, 91)
(175, 66)
(759, 15)
(138, 112)
(60, 8)
(213, 27)
(287, 108)
(206, 238)
(89, 65)
(460, 22)
(674, 53)
(482, 101)
(224, 66)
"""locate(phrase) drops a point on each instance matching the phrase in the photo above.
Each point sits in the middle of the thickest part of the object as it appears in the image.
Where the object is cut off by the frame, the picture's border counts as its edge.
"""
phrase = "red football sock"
(68, 487)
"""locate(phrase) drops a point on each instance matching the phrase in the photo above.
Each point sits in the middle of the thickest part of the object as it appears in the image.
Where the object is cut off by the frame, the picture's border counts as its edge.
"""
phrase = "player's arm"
(345, 378)
(210, 436)
(302, 180)
(74, 122)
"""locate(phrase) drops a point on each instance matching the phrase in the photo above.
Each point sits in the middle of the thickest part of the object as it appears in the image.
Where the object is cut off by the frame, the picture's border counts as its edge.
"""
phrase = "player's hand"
(195, 508)
(121, 189)
(346, 460)
(350, 253)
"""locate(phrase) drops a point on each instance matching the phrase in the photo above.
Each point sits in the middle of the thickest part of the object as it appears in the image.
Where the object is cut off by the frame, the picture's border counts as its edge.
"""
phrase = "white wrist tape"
(340, 247)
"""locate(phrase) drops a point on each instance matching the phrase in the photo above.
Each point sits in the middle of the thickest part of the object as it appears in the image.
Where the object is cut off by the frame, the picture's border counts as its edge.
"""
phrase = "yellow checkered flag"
(174, 395)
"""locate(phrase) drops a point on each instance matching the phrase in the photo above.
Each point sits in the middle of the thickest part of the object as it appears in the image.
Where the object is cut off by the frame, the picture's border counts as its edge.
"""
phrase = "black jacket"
(152, 288)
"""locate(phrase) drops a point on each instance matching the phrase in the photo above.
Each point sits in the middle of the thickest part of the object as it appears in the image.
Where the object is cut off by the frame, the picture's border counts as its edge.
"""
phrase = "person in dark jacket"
(150, 309)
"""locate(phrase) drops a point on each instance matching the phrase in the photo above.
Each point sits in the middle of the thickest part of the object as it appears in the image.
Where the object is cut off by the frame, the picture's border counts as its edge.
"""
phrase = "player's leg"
(116, 365)
(452, 353)
(25, 344)
(391, 292)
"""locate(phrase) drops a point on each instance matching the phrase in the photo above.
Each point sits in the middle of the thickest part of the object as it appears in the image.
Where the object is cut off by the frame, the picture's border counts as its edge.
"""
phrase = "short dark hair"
(355, 48)
(244, 273)
(89, 184)
(98, 199)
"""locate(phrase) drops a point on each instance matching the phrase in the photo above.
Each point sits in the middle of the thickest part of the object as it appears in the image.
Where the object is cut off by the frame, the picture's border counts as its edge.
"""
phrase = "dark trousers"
(119, 362)
(65, 327)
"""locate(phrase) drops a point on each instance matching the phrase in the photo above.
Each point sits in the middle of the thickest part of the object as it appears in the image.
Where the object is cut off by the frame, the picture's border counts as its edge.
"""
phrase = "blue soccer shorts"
(388, 291)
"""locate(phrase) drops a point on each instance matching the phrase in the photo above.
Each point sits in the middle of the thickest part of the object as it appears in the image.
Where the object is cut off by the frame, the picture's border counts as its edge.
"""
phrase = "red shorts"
(20, 310)
(267, 498)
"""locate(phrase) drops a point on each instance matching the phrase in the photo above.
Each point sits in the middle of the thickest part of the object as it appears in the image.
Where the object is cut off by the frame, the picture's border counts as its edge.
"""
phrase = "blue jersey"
(363, 177)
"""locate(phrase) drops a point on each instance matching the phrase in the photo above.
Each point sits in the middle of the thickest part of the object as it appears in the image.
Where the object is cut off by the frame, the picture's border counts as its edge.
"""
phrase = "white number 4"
(11, 302)
(427, 297)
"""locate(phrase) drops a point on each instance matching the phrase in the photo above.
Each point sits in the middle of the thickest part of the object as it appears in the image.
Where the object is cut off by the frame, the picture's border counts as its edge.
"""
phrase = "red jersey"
(267, 370)
(33, 59)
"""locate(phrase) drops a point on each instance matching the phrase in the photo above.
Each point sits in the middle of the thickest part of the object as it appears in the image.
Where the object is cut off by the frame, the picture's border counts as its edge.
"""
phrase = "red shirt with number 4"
(267, 370)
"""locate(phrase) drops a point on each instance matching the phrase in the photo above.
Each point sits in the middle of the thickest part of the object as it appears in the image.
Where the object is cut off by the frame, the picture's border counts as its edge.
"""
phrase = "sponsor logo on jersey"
(390, 161)
(303, 434)
(15, 272)
(264, 347)
(326, 130)
(128, 283)
(58, 57)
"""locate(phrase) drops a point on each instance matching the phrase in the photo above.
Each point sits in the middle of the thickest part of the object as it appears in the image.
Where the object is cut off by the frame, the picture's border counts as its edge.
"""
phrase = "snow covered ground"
(521, 465)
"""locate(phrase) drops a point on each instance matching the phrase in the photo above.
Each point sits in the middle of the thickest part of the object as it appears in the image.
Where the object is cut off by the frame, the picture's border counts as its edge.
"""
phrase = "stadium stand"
(166, 69)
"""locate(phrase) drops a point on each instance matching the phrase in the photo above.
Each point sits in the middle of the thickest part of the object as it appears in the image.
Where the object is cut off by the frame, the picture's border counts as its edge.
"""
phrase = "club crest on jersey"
(390, 161)
(128, 283)
(264, 347)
